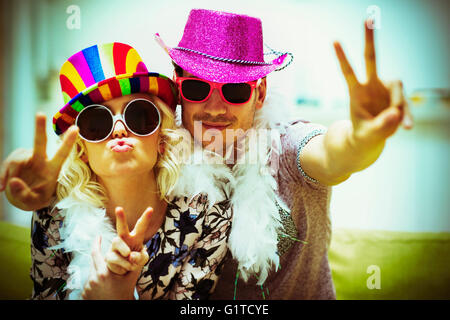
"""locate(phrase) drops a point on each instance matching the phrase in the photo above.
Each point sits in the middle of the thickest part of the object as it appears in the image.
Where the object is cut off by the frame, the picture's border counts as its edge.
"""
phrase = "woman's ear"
(84, 156)
(161, 148)
(261, 91)
(161, 145)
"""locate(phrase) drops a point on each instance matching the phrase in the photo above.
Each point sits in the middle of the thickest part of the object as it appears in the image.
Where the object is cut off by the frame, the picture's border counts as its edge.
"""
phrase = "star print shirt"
(186, 253)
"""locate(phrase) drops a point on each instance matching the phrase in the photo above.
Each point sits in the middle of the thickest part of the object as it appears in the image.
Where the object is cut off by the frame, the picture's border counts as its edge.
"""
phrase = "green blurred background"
(405, 193)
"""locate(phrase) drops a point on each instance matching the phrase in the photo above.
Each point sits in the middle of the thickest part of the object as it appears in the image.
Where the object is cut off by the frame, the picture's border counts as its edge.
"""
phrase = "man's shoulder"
(292, 132)
(302, 125)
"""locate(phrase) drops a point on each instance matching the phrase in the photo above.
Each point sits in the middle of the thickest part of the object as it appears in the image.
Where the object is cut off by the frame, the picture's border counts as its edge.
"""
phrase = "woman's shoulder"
(45, 226)
(47, 214)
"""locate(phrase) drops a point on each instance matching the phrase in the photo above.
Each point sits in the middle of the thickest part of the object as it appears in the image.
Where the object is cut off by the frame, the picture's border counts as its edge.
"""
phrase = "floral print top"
(186, 253)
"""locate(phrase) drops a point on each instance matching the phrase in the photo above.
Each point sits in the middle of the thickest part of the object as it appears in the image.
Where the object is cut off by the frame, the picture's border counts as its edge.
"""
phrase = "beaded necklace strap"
(272, 52)
(279, 54)
(224, 59)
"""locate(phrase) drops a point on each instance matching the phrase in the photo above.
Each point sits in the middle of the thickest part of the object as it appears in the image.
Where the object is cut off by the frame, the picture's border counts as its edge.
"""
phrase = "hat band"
(225, 59)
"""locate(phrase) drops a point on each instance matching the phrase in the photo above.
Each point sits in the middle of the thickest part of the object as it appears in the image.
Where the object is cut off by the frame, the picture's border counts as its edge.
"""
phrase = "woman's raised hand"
(103, 284)
(128, 252)
(28, 177)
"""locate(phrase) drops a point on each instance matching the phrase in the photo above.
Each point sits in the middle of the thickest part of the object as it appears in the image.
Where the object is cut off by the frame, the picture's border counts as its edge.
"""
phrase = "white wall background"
(406, 189)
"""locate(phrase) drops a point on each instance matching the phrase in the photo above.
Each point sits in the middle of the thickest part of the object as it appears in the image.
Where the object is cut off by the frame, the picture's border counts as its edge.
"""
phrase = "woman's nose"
(119, 130)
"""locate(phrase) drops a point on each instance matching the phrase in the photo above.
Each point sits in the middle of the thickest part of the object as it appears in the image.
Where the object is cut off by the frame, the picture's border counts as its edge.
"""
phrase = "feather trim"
(204, 172)
(82, 224)
(256, 219)
(252, 191)
(252, 188)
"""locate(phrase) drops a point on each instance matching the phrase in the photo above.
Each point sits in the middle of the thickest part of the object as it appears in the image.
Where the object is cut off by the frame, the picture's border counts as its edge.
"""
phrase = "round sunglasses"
(96, 122)
(199, 90)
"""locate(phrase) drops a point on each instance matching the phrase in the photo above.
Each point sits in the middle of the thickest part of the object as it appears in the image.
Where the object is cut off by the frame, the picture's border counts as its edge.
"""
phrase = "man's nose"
(215, 105)
(119, 130)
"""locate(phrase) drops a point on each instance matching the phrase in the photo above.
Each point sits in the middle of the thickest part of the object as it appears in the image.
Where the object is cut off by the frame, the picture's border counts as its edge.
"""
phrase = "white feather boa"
(251, 189)
(203, 172)
(82, 224)
(256, 220)
(253, 193)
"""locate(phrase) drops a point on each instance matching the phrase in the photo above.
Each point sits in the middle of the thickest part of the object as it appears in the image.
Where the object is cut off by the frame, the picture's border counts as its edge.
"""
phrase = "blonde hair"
(78, 181)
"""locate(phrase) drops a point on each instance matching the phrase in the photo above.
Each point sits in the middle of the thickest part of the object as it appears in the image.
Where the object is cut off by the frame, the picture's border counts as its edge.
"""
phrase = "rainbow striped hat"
(104, 72)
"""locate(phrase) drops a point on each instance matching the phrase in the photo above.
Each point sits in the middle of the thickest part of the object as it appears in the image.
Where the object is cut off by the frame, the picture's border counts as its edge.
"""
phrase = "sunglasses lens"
(237, 92)
(142, 117)
(95, 123)
(195, 90)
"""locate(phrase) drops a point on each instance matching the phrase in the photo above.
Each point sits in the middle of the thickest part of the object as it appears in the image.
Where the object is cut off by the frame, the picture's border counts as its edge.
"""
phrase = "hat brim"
(221, 71)
(146, 82)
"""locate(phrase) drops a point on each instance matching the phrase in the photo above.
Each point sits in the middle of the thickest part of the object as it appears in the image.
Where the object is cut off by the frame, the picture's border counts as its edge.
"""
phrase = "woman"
(122, 170)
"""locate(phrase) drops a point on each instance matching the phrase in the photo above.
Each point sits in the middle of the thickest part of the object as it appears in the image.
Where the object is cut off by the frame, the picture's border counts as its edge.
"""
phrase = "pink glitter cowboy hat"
(223, 47)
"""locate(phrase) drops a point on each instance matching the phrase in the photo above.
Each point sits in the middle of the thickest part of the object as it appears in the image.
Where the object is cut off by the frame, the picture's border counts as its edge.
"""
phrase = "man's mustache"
(218, 119)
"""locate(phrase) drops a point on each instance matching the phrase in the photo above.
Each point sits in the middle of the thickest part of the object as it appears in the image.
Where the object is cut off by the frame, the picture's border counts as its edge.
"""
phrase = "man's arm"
(333, 157)
(376, 111)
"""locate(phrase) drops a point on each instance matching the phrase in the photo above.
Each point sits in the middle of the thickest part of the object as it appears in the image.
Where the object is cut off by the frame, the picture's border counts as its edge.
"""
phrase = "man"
(221, 74)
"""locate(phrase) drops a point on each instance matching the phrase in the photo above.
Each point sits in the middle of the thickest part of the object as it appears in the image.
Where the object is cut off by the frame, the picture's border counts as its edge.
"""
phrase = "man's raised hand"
(376, 108)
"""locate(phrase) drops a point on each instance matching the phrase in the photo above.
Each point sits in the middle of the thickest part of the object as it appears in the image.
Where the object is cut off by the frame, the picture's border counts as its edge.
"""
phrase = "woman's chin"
(123, 170)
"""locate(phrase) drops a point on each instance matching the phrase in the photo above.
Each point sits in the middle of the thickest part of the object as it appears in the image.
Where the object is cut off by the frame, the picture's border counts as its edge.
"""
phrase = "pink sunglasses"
(199, 90)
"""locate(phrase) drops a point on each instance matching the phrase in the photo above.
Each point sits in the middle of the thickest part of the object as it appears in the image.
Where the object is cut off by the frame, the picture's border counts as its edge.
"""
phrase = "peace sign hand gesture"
(127, 251)
(114, 276)
(376, 108)
(103, 284)
(28, 177)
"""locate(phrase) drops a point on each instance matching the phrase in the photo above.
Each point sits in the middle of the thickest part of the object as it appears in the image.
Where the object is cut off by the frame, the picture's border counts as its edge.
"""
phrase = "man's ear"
(261, 91)
(174, 78)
